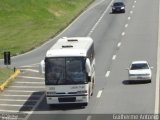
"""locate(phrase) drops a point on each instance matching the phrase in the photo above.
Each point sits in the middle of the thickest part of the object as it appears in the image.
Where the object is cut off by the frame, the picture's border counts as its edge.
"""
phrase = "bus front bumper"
(67, 100)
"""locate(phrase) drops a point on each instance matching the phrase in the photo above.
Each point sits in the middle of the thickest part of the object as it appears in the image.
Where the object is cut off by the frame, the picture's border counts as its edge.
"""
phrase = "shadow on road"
(43, 106)
(135, 82)
(31, 101)
(115, 13)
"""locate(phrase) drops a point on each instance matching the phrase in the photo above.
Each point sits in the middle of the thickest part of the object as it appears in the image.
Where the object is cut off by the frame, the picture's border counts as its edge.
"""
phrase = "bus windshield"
(65, 70)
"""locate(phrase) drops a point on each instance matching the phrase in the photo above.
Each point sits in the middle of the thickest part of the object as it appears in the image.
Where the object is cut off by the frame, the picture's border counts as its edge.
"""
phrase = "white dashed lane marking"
(123, 33)
(119, 44)
(107, 74)
(126, 25)
(99, 93)
(131, 12)
(114, 57)
(129, 18)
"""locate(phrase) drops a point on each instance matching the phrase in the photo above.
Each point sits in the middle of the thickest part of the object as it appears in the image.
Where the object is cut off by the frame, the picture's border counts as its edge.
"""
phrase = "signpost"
(7, 58)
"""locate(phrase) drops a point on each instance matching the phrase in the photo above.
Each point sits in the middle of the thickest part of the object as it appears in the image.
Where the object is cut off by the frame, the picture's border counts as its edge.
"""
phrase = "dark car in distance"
(118, 7)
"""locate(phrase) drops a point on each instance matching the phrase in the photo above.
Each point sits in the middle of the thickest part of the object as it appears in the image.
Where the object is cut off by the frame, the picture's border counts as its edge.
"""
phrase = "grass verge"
(25, 24)
(5, 73)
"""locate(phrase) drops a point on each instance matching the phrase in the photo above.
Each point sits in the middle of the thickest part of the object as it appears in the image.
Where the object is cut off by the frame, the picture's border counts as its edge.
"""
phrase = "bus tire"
(85, 104)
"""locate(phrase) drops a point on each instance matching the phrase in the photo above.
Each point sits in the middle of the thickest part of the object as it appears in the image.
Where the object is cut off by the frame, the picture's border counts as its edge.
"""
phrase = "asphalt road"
(119, 39)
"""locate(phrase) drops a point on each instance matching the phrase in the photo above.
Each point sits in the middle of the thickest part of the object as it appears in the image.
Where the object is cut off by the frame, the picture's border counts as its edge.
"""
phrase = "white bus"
(69, 69)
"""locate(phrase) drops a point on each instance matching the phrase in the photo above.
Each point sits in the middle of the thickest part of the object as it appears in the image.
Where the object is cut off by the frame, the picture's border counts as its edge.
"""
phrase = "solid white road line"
(99, 20)
(32, 70)
(27, 86)
(10, 111)
(19, 100)
(29, 82)
(30, 77)
(23, 91)
(31, 65)
(27, 66)
(8, 95)
(16, 105)
(99, 93)
(156, 110)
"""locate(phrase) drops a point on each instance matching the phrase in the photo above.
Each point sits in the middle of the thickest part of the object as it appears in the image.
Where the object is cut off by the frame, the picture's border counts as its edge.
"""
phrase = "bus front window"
(75, 70)
(61, 71)
(55, 72)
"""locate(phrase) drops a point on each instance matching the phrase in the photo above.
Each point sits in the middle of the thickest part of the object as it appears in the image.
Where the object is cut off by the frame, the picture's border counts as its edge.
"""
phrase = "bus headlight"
(50, 93)
(83, 97)
(82, 92)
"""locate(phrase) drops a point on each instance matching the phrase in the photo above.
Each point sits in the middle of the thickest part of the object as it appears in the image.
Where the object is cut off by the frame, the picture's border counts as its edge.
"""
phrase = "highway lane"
(139, 43)
(130, 37)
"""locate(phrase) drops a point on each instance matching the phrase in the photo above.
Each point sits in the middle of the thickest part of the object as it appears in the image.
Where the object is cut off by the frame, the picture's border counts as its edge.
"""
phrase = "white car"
(140, 70)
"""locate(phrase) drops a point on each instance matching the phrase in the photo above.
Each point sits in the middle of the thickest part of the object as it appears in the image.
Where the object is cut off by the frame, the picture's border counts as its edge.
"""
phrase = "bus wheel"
(92, 94)
(92, 90)
(84, 104)
(50, 106)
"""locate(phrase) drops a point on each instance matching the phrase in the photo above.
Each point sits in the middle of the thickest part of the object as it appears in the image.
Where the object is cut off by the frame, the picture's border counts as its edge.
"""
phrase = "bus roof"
(72, 46)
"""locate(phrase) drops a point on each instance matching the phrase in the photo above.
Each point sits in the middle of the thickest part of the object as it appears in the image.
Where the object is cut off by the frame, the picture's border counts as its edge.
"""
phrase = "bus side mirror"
(42, 67)
(88, 67)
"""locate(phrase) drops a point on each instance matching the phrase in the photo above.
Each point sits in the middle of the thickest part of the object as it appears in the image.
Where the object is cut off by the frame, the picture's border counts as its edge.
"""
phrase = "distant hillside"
(25, 24)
